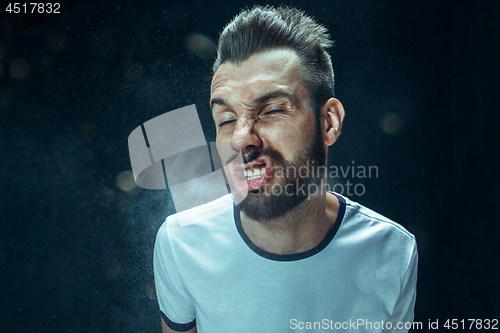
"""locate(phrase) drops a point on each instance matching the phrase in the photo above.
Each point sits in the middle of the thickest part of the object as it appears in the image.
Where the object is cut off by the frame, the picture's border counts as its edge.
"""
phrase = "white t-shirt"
(360, 277)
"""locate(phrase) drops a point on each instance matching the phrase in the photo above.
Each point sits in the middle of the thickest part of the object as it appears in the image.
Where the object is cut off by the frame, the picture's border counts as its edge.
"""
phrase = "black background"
(76, 250)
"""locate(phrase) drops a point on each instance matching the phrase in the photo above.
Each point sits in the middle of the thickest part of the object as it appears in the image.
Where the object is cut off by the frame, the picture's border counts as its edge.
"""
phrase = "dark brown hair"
(264, 28)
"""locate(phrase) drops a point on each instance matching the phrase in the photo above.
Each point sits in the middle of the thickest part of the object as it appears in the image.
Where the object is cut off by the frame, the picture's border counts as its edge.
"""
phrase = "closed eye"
(271, 113)
(226, 122)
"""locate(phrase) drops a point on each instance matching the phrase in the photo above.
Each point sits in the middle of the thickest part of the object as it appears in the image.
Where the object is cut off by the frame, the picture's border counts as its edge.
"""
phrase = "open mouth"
(254, 175)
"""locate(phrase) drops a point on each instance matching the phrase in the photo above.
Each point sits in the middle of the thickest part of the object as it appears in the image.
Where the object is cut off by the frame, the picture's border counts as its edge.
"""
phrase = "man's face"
(261, 108)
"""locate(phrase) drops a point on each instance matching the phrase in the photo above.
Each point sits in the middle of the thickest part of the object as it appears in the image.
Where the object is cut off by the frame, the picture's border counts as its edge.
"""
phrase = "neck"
(300, 230)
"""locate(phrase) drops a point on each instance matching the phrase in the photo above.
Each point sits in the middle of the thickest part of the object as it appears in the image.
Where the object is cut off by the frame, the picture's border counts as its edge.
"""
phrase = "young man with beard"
(282, 259)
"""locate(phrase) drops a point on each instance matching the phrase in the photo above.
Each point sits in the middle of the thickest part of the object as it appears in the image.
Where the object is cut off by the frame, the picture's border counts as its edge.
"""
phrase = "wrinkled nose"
(245, 138)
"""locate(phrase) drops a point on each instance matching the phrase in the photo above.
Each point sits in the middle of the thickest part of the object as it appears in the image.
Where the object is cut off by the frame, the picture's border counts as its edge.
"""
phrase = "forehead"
(258, 73)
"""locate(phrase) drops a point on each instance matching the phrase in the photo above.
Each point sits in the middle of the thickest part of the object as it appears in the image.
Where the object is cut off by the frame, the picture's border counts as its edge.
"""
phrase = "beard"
(292, 187)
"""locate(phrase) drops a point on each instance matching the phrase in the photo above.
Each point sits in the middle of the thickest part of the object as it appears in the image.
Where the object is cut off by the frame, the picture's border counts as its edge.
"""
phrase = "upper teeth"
(254, 173)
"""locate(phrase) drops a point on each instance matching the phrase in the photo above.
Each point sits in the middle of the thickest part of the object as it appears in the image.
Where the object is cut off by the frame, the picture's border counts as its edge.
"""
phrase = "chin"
(263, 207)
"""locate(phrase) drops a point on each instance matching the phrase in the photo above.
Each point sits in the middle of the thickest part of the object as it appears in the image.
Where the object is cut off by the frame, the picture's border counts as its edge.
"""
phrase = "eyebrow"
(271, 95)
(218, 101)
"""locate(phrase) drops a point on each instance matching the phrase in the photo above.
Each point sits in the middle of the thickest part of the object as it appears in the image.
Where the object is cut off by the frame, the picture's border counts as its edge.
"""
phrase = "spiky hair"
(264, 28)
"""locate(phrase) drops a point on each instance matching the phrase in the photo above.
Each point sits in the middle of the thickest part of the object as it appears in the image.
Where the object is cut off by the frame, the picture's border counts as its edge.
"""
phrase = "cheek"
(286, 139)
(222, 135)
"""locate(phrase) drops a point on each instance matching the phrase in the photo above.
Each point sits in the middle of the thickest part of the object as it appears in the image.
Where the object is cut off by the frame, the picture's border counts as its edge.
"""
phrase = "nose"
(245, 138)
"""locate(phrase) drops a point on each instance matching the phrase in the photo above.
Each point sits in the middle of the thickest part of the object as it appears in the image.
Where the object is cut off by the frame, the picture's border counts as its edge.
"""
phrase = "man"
(290, 256)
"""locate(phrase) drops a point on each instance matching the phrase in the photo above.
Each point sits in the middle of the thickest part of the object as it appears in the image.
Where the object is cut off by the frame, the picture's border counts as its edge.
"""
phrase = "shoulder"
(200, 215)
(195, 222)
(358, 218)
(377, 239)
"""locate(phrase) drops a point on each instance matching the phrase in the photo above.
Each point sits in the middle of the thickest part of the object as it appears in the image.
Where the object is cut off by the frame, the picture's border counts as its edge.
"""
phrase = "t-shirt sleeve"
(402, 315)
(176, 305)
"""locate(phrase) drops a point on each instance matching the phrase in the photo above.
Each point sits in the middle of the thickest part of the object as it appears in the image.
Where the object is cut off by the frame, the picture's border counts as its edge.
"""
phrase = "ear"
(332, 115)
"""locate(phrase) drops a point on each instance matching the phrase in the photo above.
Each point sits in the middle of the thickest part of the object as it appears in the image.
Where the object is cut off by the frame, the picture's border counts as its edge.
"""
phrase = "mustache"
(254, 154)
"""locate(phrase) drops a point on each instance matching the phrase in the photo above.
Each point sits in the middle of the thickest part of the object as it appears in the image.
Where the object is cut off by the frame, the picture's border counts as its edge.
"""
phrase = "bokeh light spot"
(391, 123)
(125, 181)
(19, 68)
(200, 45)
